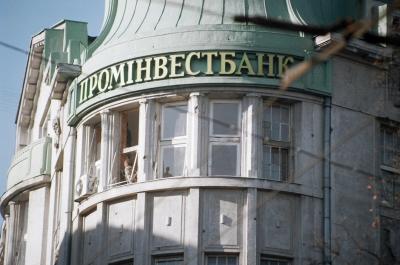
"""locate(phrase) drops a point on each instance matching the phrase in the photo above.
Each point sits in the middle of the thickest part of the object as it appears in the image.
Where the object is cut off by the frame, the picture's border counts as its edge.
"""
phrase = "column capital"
(106, 112)
(197, 94)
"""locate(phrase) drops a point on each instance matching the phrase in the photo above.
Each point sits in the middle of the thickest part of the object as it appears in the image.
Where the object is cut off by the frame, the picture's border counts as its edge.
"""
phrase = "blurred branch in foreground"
(346, 29)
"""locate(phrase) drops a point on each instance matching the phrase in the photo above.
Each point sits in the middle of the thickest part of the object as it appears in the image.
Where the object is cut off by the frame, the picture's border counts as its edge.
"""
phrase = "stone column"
(10, 220)
(141, 244)
(37, 226)
(147, 152)
(252, 138)
(110, 135)
(197, 145)
(101, 230)
(250, 228)
(192, 237)
(66, 198)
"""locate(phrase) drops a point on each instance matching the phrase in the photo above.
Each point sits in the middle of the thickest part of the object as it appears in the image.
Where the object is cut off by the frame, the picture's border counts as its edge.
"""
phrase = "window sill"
(390, 169)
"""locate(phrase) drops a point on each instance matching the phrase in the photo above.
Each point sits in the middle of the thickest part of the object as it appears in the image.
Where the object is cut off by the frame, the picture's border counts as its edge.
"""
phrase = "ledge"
(35, 182)
(177, 183)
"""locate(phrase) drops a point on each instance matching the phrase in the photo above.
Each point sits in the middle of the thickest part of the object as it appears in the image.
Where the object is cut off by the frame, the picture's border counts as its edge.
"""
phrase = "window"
(276, 134)
(173, 140)
(225, 124)
(265, 260)
(94, 162)
(390, 189)
(222, 259)
(390, 165)
(390, 146)
(129, 146)
(174, 260)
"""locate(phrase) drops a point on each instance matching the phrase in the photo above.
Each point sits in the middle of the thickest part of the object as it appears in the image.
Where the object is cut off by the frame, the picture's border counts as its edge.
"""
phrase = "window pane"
(132, 127)
(284, 164)
(275, 164)
(284, 114)
(173, 161)
(267, 161)
(224, 160)
(284, 132)
(225, 119)
(276, 119)
(267, 123)
(212, 261)
(232, 260)
(221, 260)
(174, 121)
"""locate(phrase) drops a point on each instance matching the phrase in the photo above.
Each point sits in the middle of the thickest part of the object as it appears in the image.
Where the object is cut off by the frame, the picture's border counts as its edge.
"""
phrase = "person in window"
(166, 173)
(128, 172)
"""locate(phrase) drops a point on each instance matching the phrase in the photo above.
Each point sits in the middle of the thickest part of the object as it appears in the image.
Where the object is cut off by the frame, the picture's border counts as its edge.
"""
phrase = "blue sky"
(19, 21)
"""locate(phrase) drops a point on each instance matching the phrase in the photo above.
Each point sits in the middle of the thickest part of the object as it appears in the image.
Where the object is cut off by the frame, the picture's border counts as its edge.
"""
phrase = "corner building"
(166, 140)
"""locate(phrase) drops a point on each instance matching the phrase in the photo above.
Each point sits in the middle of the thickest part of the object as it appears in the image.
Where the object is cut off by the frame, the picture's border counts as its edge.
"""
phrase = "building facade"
(166, 140)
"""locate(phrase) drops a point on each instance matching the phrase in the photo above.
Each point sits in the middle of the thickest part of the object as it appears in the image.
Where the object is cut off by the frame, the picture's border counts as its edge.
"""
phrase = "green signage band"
(185, 64)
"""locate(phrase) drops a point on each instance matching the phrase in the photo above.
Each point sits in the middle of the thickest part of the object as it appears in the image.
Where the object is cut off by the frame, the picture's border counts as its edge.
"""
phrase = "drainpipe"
(327, 258)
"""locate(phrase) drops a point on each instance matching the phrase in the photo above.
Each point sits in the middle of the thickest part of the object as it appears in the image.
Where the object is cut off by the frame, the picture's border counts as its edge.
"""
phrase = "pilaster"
(252, 139)
(66, 194)
(192, 228)
(141, 244)
(10, 221)
(250, 228)
(110, 134)
(197, 135)
(37, 226)
(147, 140)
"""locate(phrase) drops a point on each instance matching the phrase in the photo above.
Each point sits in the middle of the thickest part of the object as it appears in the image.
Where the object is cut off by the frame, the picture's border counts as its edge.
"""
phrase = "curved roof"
(127, 20)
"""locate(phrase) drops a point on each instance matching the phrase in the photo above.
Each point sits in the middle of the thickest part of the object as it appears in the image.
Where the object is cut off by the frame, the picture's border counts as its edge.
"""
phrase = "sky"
(19, 21)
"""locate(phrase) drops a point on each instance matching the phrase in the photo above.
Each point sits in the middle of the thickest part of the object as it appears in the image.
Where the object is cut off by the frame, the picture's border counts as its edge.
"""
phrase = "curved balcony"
(29, 167)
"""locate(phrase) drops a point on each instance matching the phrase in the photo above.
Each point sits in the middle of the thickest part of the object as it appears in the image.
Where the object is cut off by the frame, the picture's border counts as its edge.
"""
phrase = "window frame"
(281, 144)
(178, 141)
(126, 151)
(390, 174)
(224, 254)
(225, 139)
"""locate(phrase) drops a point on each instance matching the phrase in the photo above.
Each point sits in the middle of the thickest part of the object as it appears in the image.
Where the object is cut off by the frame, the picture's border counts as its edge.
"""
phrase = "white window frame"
(222, 255)
(218, 139)
(179, 141)
(278, 144)
(128, 150)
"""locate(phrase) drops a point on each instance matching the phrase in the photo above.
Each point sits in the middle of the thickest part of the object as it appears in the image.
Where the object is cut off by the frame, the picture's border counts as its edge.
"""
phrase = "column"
(250, 228)
(252, 138)
(37, 226)
(10, 220)
(147, 151)
(66, 197)
(197, 135)
(101, 229)
(141, 234)
(110, 135)
(192, 250)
